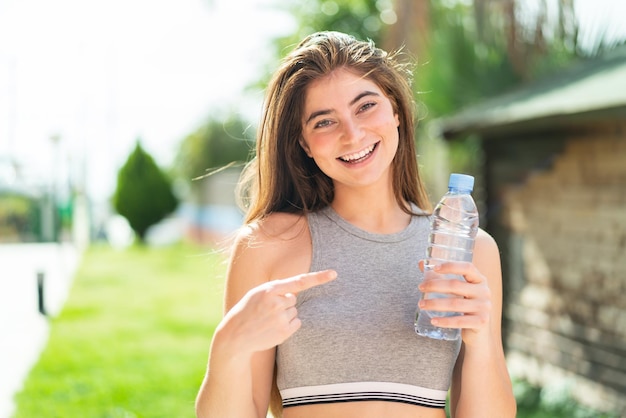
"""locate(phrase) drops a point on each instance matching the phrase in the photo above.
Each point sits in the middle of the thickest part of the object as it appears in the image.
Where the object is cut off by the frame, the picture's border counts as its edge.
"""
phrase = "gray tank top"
(357, 341)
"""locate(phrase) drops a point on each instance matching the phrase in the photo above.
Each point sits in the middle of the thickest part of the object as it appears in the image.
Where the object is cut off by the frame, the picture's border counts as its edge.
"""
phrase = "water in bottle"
(453, 229)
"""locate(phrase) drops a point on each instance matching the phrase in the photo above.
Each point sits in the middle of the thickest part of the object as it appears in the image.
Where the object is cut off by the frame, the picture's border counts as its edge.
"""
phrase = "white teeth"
(358, 155)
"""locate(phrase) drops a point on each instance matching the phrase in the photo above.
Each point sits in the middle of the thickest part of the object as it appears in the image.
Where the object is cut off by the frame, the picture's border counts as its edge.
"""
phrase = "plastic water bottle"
(453, 230)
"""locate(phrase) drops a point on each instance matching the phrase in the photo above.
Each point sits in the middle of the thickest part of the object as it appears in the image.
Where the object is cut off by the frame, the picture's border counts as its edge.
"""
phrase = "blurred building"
(555, 181)
(27, 208)
(33, 209)
(210, 214)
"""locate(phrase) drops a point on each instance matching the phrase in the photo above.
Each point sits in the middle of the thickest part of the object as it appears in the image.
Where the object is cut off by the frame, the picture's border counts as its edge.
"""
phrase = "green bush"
(20, 217)
(550, 402)
(144, 193)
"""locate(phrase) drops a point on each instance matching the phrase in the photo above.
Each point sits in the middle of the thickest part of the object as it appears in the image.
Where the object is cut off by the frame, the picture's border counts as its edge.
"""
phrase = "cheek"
(319, 145)
(390, 126)
(394, 137)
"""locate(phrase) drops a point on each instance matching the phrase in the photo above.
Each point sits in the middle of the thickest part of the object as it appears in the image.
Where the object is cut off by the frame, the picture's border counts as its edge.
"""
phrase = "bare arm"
(260, 314)
(481, 382)
(481, 386)
(233, 370)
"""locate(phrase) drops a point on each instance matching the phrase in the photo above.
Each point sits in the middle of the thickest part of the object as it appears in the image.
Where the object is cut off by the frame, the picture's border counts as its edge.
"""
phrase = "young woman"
(322, 284)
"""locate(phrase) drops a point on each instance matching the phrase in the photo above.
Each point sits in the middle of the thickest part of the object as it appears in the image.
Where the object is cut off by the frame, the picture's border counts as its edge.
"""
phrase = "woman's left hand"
(470, 297)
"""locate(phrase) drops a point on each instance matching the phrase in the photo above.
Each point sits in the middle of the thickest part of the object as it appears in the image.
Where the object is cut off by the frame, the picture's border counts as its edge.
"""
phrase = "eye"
(367, 106)
(322, 123)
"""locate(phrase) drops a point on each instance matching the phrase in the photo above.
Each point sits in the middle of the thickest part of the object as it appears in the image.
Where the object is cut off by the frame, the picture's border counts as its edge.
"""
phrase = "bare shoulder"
(275, 247)
(487, 256)
(270, 237)
(485, 242)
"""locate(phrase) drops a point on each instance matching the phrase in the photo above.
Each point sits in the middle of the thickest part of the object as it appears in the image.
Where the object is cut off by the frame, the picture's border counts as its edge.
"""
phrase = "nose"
(352, 130)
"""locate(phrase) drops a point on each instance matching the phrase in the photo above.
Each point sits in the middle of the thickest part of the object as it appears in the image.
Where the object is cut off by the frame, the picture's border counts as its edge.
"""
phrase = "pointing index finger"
(303, 281)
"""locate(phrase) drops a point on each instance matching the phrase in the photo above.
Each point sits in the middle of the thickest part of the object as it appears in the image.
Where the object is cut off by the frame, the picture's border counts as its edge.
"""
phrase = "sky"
(81, 80)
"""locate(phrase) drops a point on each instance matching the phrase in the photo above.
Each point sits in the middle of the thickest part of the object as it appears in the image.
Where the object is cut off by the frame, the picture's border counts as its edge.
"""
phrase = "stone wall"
(564, 222)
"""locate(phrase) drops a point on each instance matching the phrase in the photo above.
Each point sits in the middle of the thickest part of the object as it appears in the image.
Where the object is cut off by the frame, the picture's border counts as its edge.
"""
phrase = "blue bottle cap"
(461, 182)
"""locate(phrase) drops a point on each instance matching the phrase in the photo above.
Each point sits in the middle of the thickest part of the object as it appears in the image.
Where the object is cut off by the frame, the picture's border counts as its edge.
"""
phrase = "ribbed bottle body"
(454, 227)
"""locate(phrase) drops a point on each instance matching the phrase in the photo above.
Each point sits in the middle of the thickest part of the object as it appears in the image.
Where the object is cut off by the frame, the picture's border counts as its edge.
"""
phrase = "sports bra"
(357, 340)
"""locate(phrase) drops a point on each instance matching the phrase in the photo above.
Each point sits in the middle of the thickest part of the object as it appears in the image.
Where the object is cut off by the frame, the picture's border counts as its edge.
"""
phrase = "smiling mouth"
(358, 156)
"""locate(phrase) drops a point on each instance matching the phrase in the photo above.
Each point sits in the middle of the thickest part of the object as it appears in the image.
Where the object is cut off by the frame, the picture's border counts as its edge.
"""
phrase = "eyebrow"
(352, 102)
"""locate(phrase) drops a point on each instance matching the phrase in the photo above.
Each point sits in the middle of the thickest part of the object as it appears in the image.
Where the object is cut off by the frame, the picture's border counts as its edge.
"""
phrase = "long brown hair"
(281, 177)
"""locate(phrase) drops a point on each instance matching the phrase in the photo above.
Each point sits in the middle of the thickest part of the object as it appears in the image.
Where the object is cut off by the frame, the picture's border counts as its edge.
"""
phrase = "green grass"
(133, 338)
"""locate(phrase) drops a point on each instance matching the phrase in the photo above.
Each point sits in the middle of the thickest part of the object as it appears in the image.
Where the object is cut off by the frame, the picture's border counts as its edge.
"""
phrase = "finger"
(285, 302)
(456, 304)
(291, 314)
(448, 286)
(289, 299)
(461, 321)
(293, 326)
(463, 268)
(303, 281)
(457, 288)
(427, 265)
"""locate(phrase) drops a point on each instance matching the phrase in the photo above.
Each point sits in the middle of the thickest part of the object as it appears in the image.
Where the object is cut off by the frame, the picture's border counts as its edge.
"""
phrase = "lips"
(358, 156)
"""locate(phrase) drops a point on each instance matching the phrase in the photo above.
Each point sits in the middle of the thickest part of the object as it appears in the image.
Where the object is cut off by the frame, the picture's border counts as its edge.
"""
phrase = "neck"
(374, 211)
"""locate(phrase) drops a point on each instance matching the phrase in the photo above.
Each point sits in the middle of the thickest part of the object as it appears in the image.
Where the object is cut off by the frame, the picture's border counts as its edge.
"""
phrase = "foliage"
(144, 193)
(365, 19)
(214, 145)
(550, 402)
(466, 51)
(361, 18)
(20, 217)
(485, 48)
(133, 337)
(455, 71)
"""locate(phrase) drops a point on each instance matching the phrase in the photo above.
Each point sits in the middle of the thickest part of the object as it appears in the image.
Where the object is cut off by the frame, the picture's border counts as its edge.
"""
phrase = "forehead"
(340, 86)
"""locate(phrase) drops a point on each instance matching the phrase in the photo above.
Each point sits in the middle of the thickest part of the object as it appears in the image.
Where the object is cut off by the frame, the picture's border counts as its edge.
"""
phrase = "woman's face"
(350, 129)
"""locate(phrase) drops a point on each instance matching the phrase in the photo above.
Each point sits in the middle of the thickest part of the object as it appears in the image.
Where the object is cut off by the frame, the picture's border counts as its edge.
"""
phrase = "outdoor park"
(112, 276)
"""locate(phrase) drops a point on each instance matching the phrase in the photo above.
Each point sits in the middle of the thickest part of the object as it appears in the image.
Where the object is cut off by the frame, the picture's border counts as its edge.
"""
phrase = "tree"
(486, 47)
(144, 193)
(466, 51)
(364, 19)
(412, 29)
(214, 145)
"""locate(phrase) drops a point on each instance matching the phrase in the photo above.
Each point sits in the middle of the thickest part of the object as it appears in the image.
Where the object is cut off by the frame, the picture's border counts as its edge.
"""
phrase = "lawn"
(133, 338)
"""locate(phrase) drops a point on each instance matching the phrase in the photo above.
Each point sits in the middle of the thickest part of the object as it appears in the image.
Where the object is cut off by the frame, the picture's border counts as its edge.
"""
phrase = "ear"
(305, 147)
(397, 119)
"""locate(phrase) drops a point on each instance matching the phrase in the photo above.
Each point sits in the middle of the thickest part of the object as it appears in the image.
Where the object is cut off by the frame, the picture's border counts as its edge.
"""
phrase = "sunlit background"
(83, 82)
(80, 81)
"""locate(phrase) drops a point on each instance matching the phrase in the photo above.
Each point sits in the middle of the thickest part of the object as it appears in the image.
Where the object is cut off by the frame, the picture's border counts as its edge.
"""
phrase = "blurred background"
(126, 124)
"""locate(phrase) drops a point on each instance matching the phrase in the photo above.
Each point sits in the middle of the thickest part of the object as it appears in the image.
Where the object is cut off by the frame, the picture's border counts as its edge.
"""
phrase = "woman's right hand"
(266, 315)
